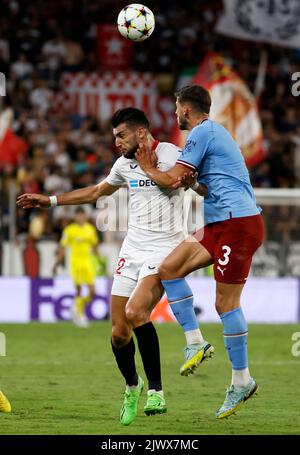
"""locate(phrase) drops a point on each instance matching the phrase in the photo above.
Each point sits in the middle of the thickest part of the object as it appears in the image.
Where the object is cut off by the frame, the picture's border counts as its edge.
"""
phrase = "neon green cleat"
(195, 354)
(156, 404)
(4, 403)
(129, 407)
(235, 397)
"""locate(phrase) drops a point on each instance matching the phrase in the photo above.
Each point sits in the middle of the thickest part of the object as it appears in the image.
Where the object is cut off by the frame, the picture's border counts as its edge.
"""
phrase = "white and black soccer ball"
(136, 22)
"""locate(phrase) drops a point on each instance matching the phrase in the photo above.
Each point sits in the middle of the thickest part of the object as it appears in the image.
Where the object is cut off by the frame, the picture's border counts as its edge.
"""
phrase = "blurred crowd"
(42, 39)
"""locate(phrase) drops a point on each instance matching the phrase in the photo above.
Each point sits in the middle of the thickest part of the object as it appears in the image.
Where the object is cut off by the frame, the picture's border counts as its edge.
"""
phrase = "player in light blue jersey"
(212, 152)
(232, 233)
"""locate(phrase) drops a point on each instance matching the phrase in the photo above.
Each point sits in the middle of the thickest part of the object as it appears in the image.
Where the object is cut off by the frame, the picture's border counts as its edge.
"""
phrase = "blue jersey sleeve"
(194, 150)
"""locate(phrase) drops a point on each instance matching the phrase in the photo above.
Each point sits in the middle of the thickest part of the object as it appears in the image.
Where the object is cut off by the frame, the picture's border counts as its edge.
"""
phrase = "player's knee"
(135, 316)
(166, 270)
(120, 335)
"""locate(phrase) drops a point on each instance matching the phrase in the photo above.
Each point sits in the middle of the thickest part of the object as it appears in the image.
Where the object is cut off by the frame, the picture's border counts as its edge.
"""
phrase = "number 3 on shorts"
(227, 251)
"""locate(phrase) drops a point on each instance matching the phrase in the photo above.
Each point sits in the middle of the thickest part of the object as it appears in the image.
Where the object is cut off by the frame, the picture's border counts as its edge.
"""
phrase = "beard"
(183, 124)
(131, 152)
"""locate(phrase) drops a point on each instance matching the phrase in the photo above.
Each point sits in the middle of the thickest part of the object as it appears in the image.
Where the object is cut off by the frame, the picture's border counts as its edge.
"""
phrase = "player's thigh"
(117, 309)
(188, 256)
(237, 242)
(121, 290)
(89, 273)
(146, 295)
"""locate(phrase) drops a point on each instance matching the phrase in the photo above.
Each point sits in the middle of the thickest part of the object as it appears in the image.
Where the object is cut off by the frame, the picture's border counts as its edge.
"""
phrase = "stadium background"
(52, 143)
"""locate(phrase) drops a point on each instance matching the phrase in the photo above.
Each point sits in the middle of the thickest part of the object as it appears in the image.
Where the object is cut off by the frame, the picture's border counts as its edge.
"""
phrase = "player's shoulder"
(202, 132)
(120, 162)
(167, 152)
(167, 146)
(69, 228)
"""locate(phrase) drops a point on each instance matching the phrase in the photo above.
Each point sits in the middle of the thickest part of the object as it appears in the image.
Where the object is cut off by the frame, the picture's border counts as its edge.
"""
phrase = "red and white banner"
(232, 105)
(101, 95)
(270, 21)
(12, 147)
(113, 51)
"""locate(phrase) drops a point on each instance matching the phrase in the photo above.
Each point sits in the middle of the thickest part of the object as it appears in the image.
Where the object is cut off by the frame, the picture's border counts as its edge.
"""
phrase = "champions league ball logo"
(269, 18)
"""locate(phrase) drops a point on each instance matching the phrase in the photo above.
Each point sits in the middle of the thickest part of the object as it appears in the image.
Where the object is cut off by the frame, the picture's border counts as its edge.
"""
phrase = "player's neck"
(150, 140)
(198, 120)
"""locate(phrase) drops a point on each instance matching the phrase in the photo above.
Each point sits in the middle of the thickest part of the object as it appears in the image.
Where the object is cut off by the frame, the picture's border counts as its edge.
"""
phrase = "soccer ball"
(136, 22)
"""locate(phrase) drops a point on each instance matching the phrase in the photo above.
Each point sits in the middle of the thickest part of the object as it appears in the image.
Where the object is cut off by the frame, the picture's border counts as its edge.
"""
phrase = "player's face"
(181, 116)
(126, 140)
(80, 218)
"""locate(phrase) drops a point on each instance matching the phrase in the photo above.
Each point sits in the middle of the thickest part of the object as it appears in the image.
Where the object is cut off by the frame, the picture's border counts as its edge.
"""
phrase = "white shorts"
(134, 264)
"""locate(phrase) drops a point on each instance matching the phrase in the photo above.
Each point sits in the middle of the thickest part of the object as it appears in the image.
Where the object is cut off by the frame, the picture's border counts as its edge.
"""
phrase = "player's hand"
(146, 158)
(187, 180)
(29, 201)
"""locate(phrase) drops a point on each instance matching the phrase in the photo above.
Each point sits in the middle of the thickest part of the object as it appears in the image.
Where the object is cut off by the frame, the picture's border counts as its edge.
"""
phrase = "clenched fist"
(29, 201)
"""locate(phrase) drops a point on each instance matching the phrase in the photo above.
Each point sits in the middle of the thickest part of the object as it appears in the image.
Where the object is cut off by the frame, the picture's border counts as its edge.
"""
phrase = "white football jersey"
(156, 214)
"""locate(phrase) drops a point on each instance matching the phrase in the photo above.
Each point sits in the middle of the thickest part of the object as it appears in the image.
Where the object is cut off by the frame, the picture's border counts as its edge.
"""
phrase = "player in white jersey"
(155, 227)
(155, 223)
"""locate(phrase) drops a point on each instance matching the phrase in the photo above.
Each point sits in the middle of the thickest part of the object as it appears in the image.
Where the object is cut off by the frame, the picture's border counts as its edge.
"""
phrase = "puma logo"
(133, 166)
(221, 270)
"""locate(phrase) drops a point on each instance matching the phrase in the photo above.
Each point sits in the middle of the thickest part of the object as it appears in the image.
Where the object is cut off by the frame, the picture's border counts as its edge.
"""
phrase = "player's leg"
(237, 244)
(77, 309)
(184, 259)
(138, 310)
(124, 348)
(235, 339)
(85, 276)
(4, 403)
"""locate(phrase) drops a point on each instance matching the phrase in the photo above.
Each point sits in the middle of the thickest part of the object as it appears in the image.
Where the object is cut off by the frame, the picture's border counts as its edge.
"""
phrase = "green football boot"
(129, 407)
(156, 404)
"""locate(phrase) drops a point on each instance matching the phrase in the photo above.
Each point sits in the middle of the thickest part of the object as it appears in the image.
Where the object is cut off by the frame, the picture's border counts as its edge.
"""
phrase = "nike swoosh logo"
(151, 268)
(133, 166)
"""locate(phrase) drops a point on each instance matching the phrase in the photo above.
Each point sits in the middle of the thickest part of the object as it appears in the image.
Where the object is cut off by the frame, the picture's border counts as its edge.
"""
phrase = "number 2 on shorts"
(121, 263)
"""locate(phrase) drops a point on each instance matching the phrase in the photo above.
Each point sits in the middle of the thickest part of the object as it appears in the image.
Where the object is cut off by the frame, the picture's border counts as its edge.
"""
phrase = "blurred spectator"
(41, 40)
(21, 68)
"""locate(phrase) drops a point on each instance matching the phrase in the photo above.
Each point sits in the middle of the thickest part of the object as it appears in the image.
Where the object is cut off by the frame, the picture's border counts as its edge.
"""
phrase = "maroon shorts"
(232, 244)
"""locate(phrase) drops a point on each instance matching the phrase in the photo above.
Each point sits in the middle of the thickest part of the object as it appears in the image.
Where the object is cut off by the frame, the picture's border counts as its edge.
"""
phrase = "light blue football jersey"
(213, 153)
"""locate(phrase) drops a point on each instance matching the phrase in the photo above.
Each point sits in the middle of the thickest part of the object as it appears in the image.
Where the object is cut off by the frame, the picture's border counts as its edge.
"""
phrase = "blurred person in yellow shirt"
(4, 403)
(81, 238)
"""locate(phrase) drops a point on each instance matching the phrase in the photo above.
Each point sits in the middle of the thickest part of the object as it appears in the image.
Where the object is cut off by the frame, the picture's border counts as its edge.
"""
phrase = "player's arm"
(60, 258)
(178, 176)
(76, 197)
(189, 180)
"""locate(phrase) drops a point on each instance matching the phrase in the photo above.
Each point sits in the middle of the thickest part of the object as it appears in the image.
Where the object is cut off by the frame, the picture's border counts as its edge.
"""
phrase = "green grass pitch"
(63, 380)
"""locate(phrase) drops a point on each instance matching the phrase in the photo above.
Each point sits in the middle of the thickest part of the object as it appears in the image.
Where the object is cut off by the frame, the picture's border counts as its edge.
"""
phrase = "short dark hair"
(197, 96)
(80, 210)
(131, 116)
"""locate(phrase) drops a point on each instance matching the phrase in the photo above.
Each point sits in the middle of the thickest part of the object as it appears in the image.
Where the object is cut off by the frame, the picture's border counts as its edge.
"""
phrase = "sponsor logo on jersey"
(141, 183)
